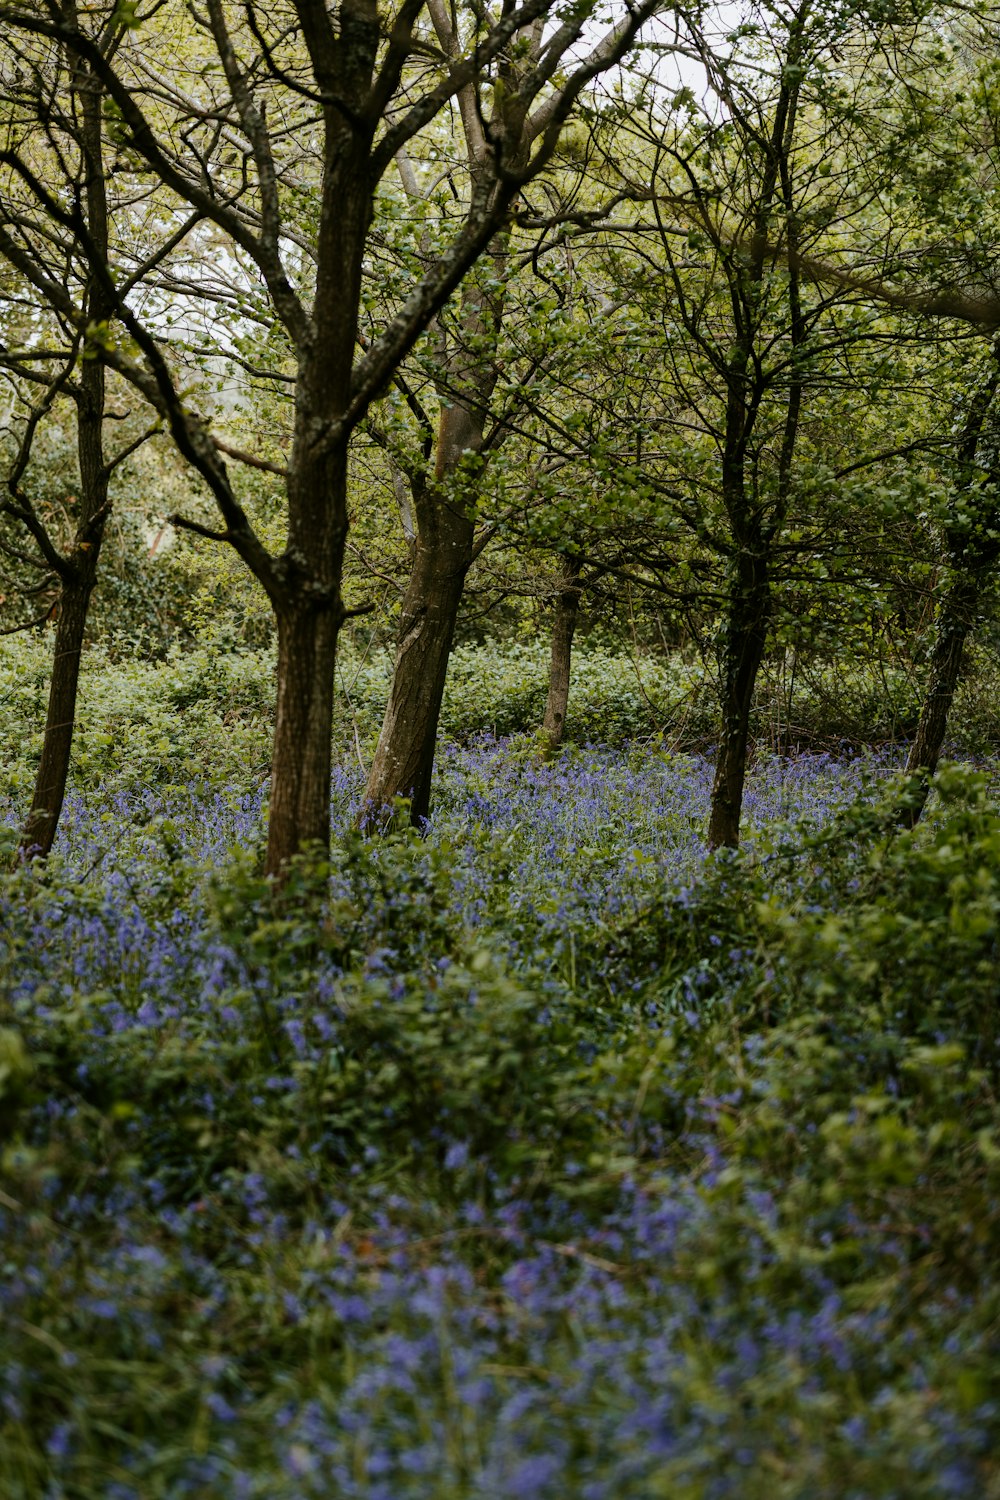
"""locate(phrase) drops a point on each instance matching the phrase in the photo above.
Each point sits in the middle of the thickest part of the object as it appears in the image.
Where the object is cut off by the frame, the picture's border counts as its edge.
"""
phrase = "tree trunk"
(752, 529)
(309, 612)
(444, 508)
(299, 814)
(50, 781)
(741, 656)
(560, 659)
(954, 621)
(404, 758)
(951, 631)
(78, 571)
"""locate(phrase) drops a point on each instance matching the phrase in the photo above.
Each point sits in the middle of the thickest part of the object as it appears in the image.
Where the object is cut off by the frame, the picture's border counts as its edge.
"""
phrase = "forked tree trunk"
(445, 512)
(404, 758)
(741, 655)
(567, 610)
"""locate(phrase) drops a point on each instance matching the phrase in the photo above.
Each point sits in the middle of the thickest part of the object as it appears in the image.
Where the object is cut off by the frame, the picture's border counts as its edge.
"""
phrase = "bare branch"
(460, 74)
(146, 144)
(184, 523)
(249, 458)
(253, 123)
(31, 624)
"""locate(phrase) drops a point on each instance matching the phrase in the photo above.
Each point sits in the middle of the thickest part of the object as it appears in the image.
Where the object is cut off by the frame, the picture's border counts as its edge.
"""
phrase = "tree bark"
(741, 654)
(300, 759)
(307, 579)
(954, 621)
(404, 758)
(309, 612)
(560, 659)
(49, 793)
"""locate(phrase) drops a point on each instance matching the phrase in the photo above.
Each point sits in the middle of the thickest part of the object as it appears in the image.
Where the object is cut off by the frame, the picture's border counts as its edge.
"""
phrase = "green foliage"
(613, 699)
(152, 723)
(207, 710)
(914, 951)
(146, 575)
(16, 1070)
(435, 1041)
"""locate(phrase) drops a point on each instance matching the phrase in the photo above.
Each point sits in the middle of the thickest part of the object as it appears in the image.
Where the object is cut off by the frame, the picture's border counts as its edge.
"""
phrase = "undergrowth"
(543, 1155)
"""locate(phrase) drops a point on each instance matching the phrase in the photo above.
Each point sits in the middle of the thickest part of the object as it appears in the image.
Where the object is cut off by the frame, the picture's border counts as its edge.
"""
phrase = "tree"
(971, 547)
(264, 139)
(566, 609)
(733, 184)
(933, 256)
(741, 422)
(73, 91)
(446, 482)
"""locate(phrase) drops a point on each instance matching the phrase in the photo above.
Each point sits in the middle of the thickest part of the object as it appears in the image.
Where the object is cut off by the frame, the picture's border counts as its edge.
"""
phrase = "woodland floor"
(540, 1156)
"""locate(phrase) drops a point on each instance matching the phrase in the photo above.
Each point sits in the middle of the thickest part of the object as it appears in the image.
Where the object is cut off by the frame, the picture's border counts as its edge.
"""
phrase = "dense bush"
(207, 709)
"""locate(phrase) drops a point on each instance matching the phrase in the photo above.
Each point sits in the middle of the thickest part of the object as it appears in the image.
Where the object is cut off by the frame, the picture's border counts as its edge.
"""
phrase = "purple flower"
(220, 1407)
(61, 1441)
